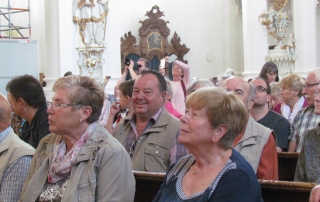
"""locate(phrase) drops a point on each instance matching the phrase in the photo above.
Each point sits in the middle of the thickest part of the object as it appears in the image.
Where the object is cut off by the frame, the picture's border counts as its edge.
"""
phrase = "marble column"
(255, 39)
(304, 19)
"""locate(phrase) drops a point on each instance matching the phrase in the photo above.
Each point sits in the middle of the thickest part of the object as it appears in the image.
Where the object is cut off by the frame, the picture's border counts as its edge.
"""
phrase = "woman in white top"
(181, 79)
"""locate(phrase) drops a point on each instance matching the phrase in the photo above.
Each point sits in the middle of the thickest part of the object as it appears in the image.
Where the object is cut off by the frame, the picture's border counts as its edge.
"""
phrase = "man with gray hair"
(305, 119)
(15, 156)
(308, 165)
(257, 143)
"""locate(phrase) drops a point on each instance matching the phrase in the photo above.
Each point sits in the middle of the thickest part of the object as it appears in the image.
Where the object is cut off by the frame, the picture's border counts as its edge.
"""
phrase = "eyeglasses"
(272, 74)
(308, 86)
(54, 105)
(261, 89)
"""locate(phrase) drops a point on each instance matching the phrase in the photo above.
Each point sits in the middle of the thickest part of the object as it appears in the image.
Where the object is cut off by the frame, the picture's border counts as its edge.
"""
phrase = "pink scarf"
(62, 163)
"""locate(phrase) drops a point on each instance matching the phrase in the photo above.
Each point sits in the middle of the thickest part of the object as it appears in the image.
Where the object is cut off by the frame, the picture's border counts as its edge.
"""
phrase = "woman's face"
(275, 99)
(287, 94)
(271, 76)
(63, 120)
(177, 71)
(195, 128)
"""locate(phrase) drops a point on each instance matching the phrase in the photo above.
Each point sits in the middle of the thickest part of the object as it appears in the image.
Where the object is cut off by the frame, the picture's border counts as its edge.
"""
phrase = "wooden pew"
(287, 162)
(282, 191)
(148, 184)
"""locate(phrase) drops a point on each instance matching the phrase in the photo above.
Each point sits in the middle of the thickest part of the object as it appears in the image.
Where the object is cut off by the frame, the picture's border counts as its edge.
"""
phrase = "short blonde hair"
(294, 82)
(83, 91)
(222, 108)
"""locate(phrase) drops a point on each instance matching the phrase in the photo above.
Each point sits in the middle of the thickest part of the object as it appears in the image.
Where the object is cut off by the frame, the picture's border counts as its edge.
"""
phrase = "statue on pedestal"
(90, 15)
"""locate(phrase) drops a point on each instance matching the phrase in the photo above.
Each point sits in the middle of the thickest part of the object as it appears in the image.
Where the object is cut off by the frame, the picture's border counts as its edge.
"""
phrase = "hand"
(315, 194)
(115, 108)
(126, 69)
(131, 65)
(166, 58)
(106, 80)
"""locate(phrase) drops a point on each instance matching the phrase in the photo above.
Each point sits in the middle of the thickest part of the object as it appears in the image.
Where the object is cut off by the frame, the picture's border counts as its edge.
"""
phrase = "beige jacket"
(11, 149)
(252, 142)
(152, 149)
(102, 171)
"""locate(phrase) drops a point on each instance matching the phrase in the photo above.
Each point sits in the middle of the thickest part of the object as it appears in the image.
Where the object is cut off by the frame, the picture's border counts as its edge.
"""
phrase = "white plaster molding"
(316, 3)
(90, 62)
(283, 56)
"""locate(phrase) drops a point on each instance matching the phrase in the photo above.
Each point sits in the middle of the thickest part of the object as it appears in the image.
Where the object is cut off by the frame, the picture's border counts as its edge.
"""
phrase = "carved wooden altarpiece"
(153, 34)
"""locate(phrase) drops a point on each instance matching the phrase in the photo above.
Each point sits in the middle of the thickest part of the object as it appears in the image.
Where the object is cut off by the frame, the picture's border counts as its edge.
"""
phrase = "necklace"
(211, 164)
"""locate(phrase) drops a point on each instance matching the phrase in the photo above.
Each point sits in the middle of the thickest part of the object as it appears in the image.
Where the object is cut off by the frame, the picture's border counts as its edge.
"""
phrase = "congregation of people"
(214, 138)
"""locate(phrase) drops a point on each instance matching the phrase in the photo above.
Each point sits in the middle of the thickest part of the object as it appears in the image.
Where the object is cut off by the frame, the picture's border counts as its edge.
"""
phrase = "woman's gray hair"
(275, 88)
(83, 91)
(200, 83)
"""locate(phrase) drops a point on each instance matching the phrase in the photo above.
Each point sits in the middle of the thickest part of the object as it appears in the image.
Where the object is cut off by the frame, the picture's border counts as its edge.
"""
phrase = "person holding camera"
(128, 67)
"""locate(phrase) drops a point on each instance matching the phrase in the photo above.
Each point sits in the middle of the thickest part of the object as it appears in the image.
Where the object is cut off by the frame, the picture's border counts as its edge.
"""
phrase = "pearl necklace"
(211, 164)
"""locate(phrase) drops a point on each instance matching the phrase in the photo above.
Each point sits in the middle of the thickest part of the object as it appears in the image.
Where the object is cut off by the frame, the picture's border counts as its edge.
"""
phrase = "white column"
(52, 40)
(304, 18)
(52, 59)
(255, 39)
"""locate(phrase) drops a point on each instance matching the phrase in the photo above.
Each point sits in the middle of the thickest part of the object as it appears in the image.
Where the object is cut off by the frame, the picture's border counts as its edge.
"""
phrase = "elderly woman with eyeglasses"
(213, 171)
(291, 94)
(79, 160)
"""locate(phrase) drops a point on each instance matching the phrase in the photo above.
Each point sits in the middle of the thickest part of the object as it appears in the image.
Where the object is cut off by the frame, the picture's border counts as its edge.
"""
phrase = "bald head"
(5, 111)
(242, 89)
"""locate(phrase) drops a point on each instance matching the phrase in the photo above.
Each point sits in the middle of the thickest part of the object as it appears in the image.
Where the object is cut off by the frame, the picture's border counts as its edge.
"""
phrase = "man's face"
(262, 96)
(142, 64)
(241, 88)
(311, 85)
(146, 97)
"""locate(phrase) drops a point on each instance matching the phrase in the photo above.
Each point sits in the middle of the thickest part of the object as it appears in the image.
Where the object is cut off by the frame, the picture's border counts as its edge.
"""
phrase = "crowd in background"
(213, 137)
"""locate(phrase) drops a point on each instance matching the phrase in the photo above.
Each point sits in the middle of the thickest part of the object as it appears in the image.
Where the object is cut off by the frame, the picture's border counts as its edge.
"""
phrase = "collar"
(33, 122)
(4, 133)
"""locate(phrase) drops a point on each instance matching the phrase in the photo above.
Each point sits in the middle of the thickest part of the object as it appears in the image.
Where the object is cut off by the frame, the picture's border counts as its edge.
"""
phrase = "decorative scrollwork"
(127, 41)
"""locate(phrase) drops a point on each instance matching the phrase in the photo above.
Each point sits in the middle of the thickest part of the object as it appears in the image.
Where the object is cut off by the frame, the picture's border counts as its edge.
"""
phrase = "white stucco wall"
(210, 28)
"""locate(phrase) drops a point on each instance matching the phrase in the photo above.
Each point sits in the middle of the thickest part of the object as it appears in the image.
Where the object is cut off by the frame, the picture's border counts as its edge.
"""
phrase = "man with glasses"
(260, 112)
(150, 134)
(257, 143)
(26, 96)
(305, 119)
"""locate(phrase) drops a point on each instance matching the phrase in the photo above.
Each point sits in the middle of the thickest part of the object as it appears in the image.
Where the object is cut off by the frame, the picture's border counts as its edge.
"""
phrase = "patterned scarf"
(62, 163)
(285, 109)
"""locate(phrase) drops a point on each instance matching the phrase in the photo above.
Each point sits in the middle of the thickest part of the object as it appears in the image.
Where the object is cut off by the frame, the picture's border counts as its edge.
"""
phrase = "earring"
(80, 120)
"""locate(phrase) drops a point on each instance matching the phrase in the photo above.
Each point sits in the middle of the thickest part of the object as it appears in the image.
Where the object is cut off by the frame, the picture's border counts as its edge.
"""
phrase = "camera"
(135, 64)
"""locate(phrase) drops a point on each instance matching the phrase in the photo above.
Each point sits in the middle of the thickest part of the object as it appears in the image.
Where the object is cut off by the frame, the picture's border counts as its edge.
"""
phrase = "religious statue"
(90, 15)
(290, 45)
